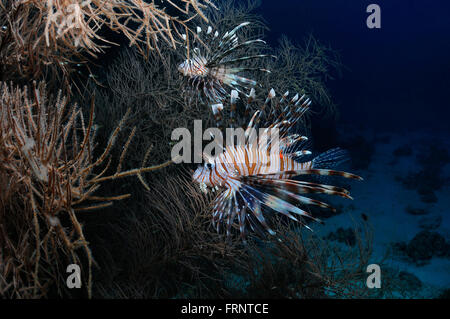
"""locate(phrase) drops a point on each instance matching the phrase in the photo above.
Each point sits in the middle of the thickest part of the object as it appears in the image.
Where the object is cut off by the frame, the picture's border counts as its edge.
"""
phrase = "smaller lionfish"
(257, 178)
(213, 73)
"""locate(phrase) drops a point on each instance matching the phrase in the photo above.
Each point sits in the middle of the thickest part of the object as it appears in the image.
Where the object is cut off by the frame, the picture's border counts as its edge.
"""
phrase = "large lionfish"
(258, 177)
(212, 74)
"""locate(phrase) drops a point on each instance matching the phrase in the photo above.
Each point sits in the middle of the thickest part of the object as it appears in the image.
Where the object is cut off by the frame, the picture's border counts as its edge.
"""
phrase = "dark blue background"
(398, 76)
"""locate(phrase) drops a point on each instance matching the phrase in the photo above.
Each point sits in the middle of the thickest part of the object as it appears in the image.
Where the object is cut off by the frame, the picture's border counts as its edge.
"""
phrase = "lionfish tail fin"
(331, 158)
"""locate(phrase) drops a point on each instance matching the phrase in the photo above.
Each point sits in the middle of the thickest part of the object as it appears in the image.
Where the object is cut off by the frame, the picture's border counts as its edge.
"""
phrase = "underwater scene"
(224, 149)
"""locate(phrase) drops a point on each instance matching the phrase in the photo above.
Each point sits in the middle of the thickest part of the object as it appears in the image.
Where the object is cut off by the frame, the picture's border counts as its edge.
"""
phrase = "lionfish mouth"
(181, 69)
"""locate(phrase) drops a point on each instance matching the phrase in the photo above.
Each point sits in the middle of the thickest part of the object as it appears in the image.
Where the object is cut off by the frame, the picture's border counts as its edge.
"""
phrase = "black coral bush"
(49, 172)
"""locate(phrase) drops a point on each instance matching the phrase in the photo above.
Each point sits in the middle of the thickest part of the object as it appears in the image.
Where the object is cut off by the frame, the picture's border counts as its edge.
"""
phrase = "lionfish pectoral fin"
(324, 172)
(289, 189)
(255, 224)
(284, 190)
(233, 80)
(219, 205)
(257, 56)
(297, 187)
(305, 200)
(275, 204)
(254, 205)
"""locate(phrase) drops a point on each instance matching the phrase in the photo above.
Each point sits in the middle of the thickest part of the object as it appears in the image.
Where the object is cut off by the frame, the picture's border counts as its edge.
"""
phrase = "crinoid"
(49, 174)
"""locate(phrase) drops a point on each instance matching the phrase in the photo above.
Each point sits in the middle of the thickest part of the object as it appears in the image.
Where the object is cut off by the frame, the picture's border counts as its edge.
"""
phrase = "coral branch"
(47, 173)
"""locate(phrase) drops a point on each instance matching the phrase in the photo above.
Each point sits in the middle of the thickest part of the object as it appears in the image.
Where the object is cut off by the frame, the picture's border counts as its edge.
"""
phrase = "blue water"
(401, 72)
(393, 92)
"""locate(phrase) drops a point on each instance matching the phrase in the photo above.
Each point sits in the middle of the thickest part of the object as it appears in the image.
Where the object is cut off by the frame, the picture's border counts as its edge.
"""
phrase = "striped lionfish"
(251, 188)
(213, 73)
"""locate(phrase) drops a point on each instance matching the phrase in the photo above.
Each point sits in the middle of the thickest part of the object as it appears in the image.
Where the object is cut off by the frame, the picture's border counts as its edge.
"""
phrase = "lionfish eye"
(209, 165)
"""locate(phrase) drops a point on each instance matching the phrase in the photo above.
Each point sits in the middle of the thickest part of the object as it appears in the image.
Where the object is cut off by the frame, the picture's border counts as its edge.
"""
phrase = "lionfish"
(257, 178)
(212, 74)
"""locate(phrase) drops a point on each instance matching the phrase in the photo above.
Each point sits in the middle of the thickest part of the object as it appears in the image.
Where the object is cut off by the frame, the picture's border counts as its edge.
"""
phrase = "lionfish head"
(202, 176)
(184, 68)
